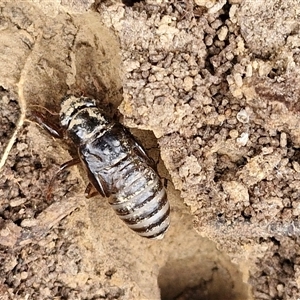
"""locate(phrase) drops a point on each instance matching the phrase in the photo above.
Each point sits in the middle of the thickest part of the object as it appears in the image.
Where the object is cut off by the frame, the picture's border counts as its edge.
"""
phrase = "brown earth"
(214, 84)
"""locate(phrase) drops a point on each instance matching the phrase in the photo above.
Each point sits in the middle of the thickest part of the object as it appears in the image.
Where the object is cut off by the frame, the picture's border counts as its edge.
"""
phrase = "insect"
(116, 165)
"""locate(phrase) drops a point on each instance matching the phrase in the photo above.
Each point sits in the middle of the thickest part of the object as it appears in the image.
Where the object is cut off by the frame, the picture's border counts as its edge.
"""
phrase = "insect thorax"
(82, 118)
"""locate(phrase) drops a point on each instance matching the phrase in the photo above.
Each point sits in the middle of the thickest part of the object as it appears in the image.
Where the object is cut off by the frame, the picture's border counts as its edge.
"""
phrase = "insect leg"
(95, 179)
(97, 183)
(64, 166)
(49, 125)
(139, 150)
(90, 191)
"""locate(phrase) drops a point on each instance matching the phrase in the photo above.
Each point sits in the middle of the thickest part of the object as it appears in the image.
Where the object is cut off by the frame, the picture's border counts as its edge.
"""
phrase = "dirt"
(211, 90)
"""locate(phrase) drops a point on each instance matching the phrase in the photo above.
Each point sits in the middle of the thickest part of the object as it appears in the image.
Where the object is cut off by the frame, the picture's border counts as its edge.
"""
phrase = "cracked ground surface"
(214, 84)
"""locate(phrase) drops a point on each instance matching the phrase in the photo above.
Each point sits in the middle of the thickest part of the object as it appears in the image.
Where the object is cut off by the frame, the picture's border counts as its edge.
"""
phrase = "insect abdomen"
(141, 200)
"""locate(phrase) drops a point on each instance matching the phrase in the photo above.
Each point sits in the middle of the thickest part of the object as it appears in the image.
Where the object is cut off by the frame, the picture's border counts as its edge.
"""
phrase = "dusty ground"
(216, 83)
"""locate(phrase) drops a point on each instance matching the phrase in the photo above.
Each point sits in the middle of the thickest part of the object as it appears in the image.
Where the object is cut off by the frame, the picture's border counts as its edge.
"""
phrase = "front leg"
(56, 131)
(48, 124)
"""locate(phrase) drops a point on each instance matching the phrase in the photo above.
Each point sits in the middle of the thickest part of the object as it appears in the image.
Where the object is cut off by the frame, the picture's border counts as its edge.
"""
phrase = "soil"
(211, 89)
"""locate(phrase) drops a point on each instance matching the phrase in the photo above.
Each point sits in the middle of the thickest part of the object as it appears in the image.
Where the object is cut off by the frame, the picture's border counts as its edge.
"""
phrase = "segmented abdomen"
(141, 200)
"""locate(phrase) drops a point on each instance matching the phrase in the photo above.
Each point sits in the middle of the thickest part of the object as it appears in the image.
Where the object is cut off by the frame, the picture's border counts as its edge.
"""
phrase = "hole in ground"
(194, 278)
(130, 2)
